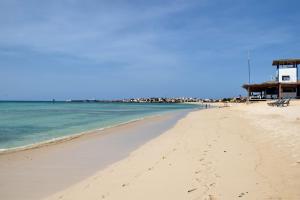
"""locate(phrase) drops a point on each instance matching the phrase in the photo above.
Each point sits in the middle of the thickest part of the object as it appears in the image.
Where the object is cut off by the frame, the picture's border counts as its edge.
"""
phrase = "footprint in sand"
(150, 168)
(192, 190)
(125, 184)
(242, 194)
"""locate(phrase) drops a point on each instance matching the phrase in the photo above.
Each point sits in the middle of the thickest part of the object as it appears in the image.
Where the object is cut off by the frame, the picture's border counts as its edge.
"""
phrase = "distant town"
(164, 100)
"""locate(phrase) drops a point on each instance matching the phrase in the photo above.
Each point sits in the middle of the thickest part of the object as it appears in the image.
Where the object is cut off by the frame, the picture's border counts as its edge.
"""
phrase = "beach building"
(286, 83)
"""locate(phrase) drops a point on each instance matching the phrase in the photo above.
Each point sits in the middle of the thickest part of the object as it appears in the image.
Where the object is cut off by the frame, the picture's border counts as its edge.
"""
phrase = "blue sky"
(118, 49)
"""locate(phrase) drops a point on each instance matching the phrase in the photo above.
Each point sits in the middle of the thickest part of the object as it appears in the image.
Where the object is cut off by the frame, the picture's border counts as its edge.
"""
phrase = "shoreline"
(67, 138)
(63, 164)
(241, 151)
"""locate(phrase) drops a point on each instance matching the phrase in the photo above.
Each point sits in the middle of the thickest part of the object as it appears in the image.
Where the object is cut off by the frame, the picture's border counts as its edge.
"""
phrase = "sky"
(68, 49)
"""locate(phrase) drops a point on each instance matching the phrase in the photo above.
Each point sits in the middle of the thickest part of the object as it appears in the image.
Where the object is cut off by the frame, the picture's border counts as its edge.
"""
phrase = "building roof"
(270, 84)
(294, 61)
(265, 84)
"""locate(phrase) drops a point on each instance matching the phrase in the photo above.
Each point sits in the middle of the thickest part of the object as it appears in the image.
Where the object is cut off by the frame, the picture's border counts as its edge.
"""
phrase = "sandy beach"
(238, 152)
(149, 100)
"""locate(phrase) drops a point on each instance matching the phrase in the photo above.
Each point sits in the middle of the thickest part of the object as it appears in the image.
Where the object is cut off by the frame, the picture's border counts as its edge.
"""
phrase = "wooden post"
(279, 91)
(248, 99)
(249, 93)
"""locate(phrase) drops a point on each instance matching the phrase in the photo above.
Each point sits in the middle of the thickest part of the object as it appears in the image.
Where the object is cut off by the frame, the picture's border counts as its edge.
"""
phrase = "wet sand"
(39, 172)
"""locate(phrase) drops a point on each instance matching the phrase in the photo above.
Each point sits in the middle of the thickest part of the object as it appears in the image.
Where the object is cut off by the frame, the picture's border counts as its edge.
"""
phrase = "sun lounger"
(280, 103)
(286, 102)
(276, 103)
(272, 103)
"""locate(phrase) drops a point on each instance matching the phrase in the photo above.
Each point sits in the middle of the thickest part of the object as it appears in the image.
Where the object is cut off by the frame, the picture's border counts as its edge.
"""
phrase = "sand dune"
(238, 152)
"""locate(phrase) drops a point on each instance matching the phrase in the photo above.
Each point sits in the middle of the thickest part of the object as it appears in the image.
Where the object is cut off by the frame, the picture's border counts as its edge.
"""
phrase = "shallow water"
(39, 172)
(25, 123)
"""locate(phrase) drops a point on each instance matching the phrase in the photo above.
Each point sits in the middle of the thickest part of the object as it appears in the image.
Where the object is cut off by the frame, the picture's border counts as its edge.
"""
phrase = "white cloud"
(106, 32)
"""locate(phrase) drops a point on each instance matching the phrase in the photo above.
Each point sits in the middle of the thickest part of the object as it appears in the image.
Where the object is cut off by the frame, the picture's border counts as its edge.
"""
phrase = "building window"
(289, 90)
(286, 78)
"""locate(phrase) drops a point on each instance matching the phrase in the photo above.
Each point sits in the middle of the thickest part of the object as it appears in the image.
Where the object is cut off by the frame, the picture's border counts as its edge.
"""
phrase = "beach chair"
(280, 103)
(275, 103)
(286, 102)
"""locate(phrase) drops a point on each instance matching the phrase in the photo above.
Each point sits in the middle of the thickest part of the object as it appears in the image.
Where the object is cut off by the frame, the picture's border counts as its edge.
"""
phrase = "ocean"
(27, 123)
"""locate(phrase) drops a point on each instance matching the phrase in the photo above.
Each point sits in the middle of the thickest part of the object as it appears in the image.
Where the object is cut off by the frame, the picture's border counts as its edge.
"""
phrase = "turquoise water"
(25, 123)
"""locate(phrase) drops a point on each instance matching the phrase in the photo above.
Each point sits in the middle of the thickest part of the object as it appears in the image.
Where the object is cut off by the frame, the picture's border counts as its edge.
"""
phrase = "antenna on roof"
(249, 69)
(249, 80)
